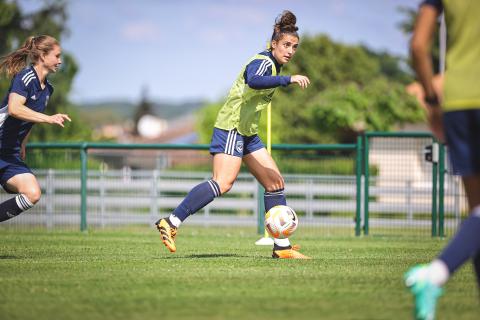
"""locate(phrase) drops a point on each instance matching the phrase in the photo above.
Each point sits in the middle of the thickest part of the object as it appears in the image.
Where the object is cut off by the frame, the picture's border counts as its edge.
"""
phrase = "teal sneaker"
(425, 293)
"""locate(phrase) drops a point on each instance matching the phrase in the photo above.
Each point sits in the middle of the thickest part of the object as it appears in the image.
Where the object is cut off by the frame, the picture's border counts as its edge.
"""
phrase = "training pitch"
(216, 273)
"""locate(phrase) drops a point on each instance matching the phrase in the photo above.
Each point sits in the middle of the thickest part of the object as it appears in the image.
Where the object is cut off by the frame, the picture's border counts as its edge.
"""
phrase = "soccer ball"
(281, 222)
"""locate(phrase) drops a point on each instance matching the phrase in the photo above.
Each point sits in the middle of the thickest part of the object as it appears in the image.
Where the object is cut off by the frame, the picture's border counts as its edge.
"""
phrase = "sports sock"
(281, 244)
(196, 199)
(14, 206)
(274, 198)
(438, 272)
(173, 221)
(465, 244)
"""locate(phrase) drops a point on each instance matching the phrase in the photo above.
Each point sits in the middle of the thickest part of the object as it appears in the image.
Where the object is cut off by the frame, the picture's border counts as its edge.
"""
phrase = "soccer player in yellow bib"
(235, 136)
(455, 118)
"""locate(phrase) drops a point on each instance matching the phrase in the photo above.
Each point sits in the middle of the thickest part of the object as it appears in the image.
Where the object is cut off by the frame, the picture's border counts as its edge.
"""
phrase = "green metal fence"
(309, 170)
(401, 184)
(381, 184)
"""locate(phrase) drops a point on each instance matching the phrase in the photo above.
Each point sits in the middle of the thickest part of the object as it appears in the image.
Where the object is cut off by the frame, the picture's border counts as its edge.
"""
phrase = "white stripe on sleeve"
(26, 75)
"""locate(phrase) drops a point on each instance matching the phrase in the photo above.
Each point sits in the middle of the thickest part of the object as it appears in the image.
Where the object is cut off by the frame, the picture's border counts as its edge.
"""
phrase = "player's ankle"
(174, 221)
(278, 247)
(438, 272)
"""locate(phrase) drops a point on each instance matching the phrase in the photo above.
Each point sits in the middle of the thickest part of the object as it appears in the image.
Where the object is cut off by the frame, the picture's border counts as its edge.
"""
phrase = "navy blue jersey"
(13, 130)
(438, 4)
(258, 73)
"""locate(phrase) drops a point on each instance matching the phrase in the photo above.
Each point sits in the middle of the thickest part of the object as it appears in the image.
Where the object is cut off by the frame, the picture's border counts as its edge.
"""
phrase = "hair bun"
(285, 24)
(286, 21)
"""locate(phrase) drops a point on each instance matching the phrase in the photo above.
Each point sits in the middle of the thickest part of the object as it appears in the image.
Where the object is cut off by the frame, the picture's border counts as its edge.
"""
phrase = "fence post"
(358, 171)
(83, 194)
(456, 193)
(309, 199)
(441, 190)
(408, 200)
(260, 209)
(366, 183)
(206, 209)
(434, 187)
(50, 201)
(154, 197)
(102, 197)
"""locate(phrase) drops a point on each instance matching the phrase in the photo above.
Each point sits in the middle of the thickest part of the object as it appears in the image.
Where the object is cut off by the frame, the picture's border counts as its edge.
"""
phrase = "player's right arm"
(302, 81)
(258, 75)
(420, 45)
(17, 109)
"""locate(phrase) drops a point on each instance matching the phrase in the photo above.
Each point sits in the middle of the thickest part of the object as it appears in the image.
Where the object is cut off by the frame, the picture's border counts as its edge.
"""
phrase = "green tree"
(15, 27)
(352, 89)
(407, 25)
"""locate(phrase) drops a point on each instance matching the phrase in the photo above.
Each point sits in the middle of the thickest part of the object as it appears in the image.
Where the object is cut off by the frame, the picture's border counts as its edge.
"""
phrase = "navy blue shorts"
(462, 131)
(11, 166)
(233, 143)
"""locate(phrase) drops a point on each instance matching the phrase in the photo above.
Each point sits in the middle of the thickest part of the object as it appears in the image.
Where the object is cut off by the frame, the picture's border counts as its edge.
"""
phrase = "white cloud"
(141, 31)
(244, 13)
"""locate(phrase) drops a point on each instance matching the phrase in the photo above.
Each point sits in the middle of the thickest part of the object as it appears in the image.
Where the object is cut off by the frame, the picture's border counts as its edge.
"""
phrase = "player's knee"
(33, 194)
(225, 186)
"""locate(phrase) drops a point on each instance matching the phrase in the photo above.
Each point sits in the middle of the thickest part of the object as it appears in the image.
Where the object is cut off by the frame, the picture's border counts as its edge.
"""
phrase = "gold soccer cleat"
(167, 234)
(291, 253)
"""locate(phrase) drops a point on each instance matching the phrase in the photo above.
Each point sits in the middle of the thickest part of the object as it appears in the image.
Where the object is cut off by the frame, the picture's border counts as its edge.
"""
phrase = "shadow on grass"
(226, 255)
(206, 256)
(8, 257)
(214, 255)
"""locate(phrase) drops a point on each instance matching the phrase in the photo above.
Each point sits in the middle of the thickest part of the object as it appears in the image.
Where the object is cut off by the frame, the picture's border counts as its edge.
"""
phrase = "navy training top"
(13, 130)
(258, 73)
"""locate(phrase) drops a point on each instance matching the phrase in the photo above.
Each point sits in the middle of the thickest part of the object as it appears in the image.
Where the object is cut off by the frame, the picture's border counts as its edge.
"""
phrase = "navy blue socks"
(197, 198)
(14, 206)
(465, 244)
(274, 198)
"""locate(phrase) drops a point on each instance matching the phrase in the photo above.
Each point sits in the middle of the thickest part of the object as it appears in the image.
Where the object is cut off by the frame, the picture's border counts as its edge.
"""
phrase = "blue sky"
(187, 49)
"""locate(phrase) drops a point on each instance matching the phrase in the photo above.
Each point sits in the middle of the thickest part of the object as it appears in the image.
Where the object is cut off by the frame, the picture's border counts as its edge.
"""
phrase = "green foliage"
(59, 159)
(343, 110)
(51, 19)
(324, 166)
(352, 89)
(408, 25)
(206, 119)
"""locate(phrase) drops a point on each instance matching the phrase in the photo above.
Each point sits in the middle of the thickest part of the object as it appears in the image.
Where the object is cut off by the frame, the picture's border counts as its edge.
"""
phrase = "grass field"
(217, 273)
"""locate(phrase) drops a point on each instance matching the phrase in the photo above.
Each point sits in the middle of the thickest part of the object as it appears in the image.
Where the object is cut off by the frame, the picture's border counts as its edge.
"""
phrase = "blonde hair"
(31, 51)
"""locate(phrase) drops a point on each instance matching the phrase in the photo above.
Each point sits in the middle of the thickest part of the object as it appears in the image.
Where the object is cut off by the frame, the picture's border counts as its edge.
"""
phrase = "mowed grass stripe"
(216, 273)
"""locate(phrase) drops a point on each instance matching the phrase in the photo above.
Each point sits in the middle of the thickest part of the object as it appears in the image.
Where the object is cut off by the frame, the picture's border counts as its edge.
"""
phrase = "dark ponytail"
(285, 23)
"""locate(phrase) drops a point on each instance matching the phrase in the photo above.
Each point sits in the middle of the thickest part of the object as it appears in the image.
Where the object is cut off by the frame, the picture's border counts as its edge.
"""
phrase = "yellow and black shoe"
(288, 253)
(168, 232)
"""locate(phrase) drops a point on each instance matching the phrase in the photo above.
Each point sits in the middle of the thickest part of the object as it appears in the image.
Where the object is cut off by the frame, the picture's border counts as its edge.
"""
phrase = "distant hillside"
(119, 111)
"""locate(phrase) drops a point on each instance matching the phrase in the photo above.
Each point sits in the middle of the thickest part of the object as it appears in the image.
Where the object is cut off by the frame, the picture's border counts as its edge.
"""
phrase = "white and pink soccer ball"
(281, 222)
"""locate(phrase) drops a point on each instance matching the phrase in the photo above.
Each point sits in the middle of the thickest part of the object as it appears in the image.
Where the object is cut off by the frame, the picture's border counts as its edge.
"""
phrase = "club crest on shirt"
(34, 97)
(239, 146)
